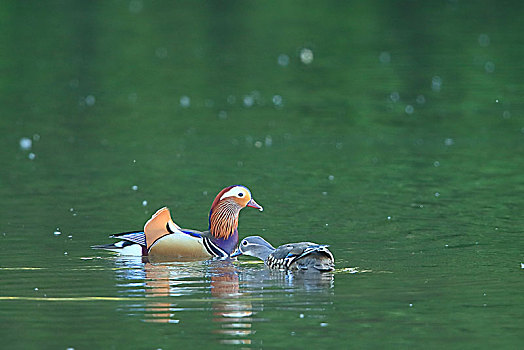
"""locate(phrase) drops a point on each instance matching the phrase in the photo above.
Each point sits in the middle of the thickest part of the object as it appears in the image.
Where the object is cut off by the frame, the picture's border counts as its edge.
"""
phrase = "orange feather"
(156, 227)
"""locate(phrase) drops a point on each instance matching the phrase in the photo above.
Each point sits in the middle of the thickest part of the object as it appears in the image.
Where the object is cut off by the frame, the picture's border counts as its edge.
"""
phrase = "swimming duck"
(302, 256)
(163, 240)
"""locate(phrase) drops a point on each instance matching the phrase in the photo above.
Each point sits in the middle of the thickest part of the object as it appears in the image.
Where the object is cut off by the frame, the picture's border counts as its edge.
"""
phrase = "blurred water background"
(391, 130)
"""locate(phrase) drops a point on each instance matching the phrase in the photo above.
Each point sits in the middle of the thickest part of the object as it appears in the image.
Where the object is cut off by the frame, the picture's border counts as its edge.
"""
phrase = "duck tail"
(123, 248)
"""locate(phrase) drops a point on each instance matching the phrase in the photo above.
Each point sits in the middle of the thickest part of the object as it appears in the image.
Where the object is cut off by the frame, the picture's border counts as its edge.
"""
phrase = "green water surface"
(391, 130)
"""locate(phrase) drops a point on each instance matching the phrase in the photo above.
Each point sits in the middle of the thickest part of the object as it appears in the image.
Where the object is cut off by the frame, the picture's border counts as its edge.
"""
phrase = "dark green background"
(422, 194)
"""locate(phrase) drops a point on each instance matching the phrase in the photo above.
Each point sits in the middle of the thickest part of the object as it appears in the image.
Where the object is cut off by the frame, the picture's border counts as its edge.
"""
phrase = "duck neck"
(223, 220)
(228, 244)
(265, 253)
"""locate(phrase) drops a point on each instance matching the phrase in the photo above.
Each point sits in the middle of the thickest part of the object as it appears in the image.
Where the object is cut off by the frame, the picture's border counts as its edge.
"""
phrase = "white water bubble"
(409, 109)
(248, 101)
(258, 144)
(31, 156)
(489, 67)
(283, 60)
(389, 217)
(324, 324)
(26, 143)
(90, 100)
(384, 57)
(483, 40)
(436, 83)
(134, 187)
(306, 56)
(277, 100)
(410, 305)
(65, 253)
(185, 101)
(222, 115)
(57, 232)
(437, 194)
(394, 96)
(436, 163)
(301, 315)
(449, 142)
(268, 141)
(331, 177)
(324, 193)
(144, 203)
(231, 99)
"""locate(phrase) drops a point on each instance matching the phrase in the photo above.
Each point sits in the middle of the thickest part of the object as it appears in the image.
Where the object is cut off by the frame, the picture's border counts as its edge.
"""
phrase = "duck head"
(255, 246)
(238, 195)
(223, 216)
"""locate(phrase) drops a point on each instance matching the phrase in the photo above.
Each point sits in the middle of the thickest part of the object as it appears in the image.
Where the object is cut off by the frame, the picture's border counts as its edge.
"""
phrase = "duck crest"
(217, 198)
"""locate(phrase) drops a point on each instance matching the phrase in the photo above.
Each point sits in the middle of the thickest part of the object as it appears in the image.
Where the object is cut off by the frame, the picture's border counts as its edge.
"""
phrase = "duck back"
(303, 256)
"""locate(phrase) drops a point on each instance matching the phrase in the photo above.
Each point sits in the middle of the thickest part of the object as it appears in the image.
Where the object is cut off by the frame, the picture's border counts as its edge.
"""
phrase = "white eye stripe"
(235, 191)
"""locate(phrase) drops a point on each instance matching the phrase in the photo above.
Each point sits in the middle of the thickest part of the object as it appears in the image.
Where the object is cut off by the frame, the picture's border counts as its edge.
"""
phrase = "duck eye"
(241, 194)
(244, 243)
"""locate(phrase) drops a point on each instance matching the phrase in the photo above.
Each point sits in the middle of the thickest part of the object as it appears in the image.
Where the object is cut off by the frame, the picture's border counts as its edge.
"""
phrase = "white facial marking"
(237, 191)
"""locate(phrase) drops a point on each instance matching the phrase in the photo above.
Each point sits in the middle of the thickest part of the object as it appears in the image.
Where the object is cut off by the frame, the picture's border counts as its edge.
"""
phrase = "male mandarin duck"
(302, 256)
(163, 240)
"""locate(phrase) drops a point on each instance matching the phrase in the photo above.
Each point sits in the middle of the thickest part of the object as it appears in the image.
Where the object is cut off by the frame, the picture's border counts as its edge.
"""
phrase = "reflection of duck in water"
(163, 240)
(231, 315)
(302, 256)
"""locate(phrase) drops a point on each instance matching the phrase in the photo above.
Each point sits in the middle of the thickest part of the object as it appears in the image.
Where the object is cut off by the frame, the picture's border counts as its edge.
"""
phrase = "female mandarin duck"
(302, 256)
(163, 240)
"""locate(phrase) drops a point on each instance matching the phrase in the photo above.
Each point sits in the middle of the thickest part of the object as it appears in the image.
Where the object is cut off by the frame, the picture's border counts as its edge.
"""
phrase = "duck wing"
(167, 241)
(304, 256)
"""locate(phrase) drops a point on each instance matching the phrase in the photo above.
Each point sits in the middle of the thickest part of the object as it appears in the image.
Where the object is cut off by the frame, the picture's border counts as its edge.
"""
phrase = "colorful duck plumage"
(163, 240)
(302, 256)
